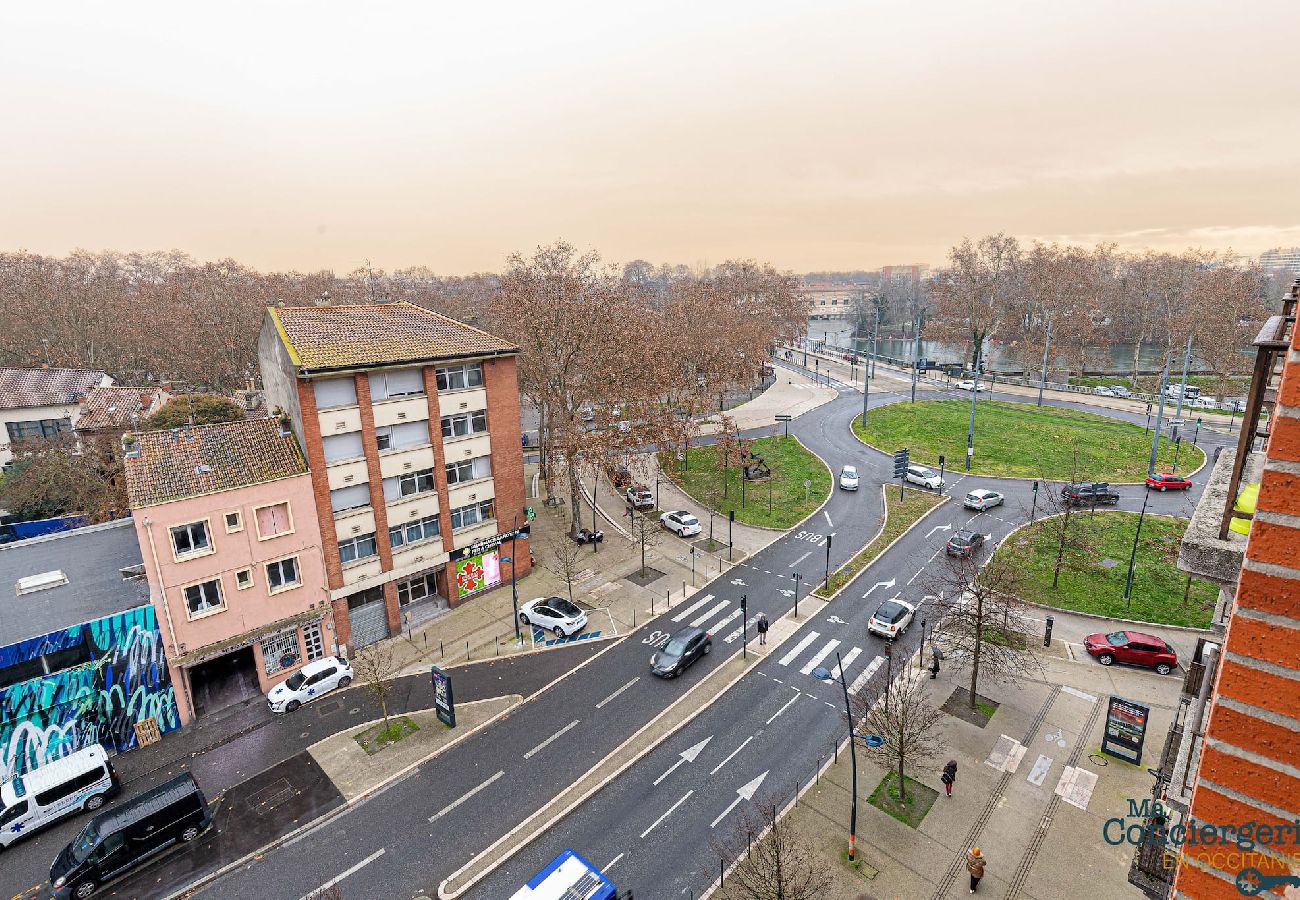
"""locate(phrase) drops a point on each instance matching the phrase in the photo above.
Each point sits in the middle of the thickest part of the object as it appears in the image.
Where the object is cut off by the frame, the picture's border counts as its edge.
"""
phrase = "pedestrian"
(762, 628)
(949, 776)
(975, 865)
(935, 655)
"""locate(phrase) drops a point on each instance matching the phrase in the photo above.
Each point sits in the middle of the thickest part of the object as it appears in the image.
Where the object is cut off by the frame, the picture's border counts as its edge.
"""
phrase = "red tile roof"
(114, 407)
(21, 388)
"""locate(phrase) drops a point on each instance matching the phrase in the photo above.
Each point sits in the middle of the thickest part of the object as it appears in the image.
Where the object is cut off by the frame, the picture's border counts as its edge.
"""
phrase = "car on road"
(891, 618)
(557, 615)
(969, 385)
(311, 682)
(849, 478)
(982, 500)
(1089, 493)
(1167, 481)
(964, 543)
(1133, 648)
(681, 523)
(1118, 390)
(1103, 391)
(683, 648)
(1205, 403)
(80, 781)
(924, 476)
(1234, 405)
(640, 497)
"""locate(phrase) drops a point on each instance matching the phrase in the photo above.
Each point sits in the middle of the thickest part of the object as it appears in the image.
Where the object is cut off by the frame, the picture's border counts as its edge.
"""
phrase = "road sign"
(783, 418)
(900, 462)
(444, 701)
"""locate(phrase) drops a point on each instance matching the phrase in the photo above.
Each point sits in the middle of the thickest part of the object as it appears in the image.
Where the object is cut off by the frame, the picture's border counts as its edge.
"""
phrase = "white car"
(310, 682)
(640, 497)
(1103, 391)
(554, 614)
(924, 476)
(891, 618)
(849, 478)
(981, 499)
(969, 385)
(681, 523)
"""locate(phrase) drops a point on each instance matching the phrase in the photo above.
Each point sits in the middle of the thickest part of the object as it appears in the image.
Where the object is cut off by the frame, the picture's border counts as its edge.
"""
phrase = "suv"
(1089, 493)
(964, 543)
(640, 497)
(1133, 648)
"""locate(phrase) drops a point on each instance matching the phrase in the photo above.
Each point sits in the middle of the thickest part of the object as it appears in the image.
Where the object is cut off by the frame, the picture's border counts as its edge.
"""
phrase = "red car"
(1168, 481)
(1133, 648)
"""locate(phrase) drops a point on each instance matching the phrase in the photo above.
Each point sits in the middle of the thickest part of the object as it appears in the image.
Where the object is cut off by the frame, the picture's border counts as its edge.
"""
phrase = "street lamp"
(514, 587)
(1132, 559)
(825, 674)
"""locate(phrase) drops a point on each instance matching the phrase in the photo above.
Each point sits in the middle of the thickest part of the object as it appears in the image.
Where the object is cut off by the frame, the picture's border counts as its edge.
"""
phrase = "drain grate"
(271, 796)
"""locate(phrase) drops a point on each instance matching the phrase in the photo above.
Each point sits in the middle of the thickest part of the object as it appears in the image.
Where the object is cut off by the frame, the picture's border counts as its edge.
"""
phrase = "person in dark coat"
(762, 628)
(975, 865)
(949, 776)
(935, 655)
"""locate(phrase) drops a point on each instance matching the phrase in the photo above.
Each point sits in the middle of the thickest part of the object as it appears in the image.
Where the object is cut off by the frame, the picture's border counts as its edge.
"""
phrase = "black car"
(682, 649)
(1089, 493)
(964, 543)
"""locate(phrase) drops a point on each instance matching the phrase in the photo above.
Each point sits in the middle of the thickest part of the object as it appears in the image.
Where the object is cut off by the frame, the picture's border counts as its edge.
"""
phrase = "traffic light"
(900, 463)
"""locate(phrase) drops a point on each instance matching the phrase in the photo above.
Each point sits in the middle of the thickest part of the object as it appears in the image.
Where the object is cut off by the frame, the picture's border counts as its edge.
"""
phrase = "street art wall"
(83, 685)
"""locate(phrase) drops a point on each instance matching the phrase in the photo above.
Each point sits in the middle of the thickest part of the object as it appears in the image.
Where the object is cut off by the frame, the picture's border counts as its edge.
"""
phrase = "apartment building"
(410, 423)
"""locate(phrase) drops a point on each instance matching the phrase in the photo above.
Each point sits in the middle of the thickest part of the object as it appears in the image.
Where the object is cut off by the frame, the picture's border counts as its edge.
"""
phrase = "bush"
(207, 409)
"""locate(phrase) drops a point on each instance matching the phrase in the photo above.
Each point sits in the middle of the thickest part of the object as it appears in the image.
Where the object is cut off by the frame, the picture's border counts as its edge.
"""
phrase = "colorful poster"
(478, 573)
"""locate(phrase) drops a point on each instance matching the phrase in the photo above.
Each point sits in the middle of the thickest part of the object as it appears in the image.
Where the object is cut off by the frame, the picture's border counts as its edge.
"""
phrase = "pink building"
(231, 542)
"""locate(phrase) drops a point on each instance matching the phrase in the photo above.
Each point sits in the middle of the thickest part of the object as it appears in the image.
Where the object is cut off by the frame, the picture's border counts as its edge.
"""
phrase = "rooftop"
(347, 337)
(92, 559)
(117, 407)
(22, 388)
(207, 459)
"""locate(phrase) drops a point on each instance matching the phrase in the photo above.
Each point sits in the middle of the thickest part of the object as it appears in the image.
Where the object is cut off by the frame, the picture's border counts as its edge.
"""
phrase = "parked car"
(1089, 493)
(924, 476)
(1103, 391)
(1205, 403)
(1234, 405)
(891, 618)
(964, 543)
(683, 648)
(557, 615)
(1133, 648)
(587, 536)
(312, 681)
(1118, 390)
(681, 523)
(849, 478)
(640, 497)
(80, 781)
(1167, 481)
(969, 385)
(128, 835)
(982, 500)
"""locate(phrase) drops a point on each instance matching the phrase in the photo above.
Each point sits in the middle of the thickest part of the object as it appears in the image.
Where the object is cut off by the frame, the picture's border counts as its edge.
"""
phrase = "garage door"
(369, 623)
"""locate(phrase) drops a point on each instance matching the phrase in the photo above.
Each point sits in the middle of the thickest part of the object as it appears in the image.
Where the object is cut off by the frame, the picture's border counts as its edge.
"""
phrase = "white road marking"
(337, 878)
(667, 814)
(866, 674)
(821, 654)
(847, 661)
(722, 604)
(719, 766)
(828, 518)
(455, 803)
(612, 696)
(744, 793)
(724, 621)
(609, 865)
(542, 746)
(801, 559)
(799, 648)
(735, 634)
(784, 708)
(692, 608)
(687, 755)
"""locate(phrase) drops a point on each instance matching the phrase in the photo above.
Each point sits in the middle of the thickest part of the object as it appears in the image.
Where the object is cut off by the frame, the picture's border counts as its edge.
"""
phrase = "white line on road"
(667, 814)
(337, 878)
(821, 654)
(692, 608)
(801, 559)
(722, 623)
(612, 696)
(847, 661)
(609, 865)
(542, 746)
(733, 753)
(828, 518)
(798, 648)
(455, 803)
(784, 708)
(722, 604)
(866, 674)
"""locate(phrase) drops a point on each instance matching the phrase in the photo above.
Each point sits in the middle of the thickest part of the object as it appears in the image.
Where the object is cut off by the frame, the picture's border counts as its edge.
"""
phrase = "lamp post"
(1160, 412)
(1132, 559)
(974, 395)
(1042, 382)
(889, 671)
(823, 674)
(514, 587)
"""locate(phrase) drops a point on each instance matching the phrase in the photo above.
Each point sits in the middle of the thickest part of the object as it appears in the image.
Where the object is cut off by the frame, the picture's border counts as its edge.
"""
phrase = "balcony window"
(338, 447)
(413, 532)
(403, 436)
(357, 548)
(409, 484)
(474, 514)
(469, 470)
(354, 496)
(460, 378)
(395, 384)
(190, 539)
(204, 597)
(464, 424)
(333, 392)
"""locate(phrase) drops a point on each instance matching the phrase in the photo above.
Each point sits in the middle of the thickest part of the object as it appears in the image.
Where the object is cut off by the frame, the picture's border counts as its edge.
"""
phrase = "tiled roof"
(207, 459)
(21, 388)
(341, 337)
(113, 407)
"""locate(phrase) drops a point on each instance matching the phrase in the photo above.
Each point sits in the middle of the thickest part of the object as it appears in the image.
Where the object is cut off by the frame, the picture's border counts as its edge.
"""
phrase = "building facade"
(42, 404)
(226, 519)
(410, 423)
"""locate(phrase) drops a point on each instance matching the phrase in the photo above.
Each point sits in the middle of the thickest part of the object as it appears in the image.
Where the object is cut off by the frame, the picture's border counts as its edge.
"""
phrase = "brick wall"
(311, 438)
(501, 377)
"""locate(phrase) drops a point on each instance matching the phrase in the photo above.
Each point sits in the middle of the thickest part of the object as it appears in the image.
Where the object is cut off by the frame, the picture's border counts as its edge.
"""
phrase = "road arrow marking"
(784, 592)
(671, 809)
(836, 620)
(688, 755)
(744, 793)
(938, 528)
(738, 583)
(879, 584)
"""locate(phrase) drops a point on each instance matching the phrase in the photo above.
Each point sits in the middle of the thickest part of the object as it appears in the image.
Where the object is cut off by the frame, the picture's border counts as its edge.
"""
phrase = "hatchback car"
(964, 543)
(891, 618)
(969, 385)
(849, 478)
(1118, 390)
(1103, 391)
(1167, 481)
(925, 477)
(640, 497)
(312, 681)
(681, 523)
(683, 648)
(557, 615)
(1133, 648)
(981, 499)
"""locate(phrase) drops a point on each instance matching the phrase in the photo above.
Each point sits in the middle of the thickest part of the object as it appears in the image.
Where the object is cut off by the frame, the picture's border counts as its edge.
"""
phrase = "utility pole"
(1042, 382)
(1182, 391)
(1160, 411)
(1132, 559)
(916, 353)
(974, 394)
(875, 333)
(853, 759)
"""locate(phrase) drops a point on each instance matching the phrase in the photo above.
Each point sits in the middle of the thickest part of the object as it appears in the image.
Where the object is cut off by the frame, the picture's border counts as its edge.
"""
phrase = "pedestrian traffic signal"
(900, 463)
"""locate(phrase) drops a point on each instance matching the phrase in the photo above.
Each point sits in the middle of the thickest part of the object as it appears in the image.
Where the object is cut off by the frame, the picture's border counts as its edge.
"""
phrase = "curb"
(906, 532)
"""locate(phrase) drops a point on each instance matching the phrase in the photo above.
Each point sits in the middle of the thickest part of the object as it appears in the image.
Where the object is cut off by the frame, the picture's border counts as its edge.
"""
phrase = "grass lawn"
(376, 738)
(1088, 586)
(778, 502)
(902, 514)
(911, 811)
(1016, 439)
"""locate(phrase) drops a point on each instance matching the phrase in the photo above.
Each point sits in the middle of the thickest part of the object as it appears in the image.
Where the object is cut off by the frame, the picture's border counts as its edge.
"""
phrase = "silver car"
(981, 500)
(924, 476)
(849, 478)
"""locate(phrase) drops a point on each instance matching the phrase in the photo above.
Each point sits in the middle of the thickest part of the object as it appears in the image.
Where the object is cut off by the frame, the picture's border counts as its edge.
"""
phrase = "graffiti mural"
(104, 676)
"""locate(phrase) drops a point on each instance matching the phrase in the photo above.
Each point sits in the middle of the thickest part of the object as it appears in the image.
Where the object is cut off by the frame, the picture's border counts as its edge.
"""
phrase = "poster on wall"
(477, 573)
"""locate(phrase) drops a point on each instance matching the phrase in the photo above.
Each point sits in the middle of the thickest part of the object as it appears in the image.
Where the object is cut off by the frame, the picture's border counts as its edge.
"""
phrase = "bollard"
(670, 604)
(634, 615)
(652, 604)
(467, 651)
(1047, 632)
(441, 651)
(668, 597)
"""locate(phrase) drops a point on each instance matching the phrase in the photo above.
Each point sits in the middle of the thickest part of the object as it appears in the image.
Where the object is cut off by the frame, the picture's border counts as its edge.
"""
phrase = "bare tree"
(646, 532)
(777, 864)
(976, 290)
(377, 666)
(909, 724)
(1065, 525)
(564, 560)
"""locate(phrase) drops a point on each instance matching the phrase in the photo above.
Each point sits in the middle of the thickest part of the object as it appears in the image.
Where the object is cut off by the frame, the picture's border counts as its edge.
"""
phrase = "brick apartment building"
(410, 423)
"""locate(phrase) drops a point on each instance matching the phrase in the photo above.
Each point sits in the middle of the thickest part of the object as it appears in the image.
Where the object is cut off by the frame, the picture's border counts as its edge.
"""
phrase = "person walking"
(762, 628)
(975, 865)
(935, 655)
(949, 776)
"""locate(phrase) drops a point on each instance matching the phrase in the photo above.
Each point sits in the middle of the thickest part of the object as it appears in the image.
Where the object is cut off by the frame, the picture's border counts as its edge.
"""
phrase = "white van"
(80, 781)
(1204, 403)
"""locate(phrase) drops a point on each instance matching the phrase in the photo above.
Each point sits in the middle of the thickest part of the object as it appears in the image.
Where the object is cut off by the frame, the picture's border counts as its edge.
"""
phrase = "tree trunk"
(979, 645)
(575, 497)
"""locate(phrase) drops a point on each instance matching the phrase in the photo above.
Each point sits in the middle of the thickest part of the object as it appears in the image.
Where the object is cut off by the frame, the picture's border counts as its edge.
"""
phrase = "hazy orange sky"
(848, 135)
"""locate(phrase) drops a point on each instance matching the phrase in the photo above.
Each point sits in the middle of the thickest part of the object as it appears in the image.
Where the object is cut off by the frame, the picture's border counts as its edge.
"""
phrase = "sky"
(815, 136)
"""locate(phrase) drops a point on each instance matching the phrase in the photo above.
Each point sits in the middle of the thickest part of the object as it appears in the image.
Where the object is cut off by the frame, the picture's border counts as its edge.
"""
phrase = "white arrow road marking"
(799, 648)
(879, 584)
(719, 766)
(938, 528)
(846, 661)
(744, 793)
(802, 558)
(602, 703)
(455, 803)
(358, 867)
(866, 674)
(692, 608)
(836, 620)
(821, 654)
(688, 755)
(667, 814)
(542, 746)
(784, 708)
(785, 592)
(722, 604)
(738, 583)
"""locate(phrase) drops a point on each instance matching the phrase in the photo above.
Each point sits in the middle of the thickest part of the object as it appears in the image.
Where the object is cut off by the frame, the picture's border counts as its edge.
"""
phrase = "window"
(203, 597)
(338, 447)
(279, 651)
(473, 514)
(332, 392)
(70, 787)
(463, 424)
(14, 812)
(234, 522)
(354, 496)
(314, 641)
(190, 538)
(458, 378)
(400, 437)
(42, 429)
(282, 574)
(469, 470)
(406, 485)
(357, 548)
(413, 532)
(417, 588)
(396, 383)
(273, 520)
(244, 579)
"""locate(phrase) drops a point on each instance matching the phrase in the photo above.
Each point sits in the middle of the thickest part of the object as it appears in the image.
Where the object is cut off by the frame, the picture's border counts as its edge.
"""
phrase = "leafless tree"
(909, 724)
(1065, 525)
(778, 862)
(377, 666)
(975, 291)
(646, 532)
(564, 560)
